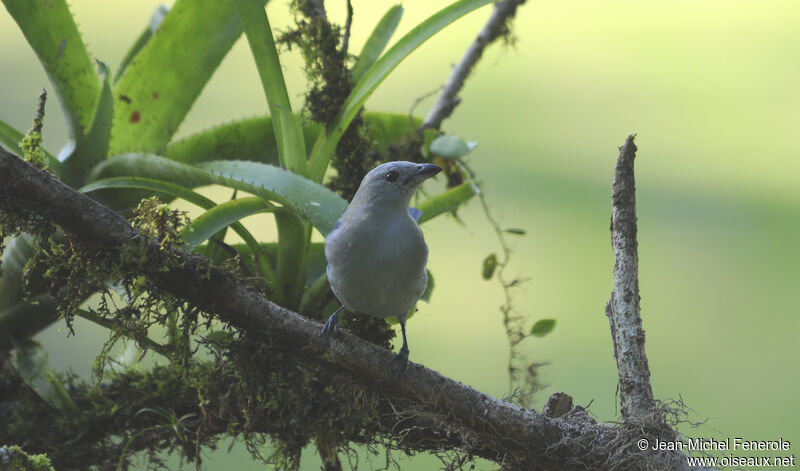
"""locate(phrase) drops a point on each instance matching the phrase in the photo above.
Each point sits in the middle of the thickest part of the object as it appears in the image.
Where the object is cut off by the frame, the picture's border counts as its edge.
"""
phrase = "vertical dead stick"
(448, 99)
(623, 311)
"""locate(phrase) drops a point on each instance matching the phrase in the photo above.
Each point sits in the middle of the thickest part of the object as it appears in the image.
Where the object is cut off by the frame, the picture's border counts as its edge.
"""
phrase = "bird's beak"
(425, 171)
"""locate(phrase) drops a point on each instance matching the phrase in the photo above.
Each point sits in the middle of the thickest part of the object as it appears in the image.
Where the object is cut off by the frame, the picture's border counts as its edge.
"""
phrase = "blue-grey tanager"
(376, 252)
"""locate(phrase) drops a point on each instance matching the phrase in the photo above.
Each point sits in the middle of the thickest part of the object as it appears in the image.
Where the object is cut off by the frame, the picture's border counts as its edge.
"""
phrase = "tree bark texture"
(623, 311)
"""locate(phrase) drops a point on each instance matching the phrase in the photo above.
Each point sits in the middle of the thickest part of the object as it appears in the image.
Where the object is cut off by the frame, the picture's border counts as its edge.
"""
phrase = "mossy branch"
(432, 410)
(31, 143)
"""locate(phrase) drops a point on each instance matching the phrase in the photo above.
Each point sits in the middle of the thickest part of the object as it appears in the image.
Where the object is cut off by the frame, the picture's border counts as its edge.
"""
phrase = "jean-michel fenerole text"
(707, 444)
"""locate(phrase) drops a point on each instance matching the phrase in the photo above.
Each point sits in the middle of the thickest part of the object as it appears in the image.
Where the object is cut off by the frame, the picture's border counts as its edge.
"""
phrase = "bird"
(376, 252)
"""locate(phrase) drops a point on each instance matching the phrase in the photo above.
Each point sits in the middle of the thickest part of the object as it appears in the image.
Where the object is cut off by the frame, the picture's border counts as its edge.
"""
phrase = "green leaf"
(426, 296)
(92, 148)
(21, 317)
(489, 266)
(450, 146)
(377, 41)
(216, 249)
(447, 201)
(292, 256)
(247, 139)
(385, 129)
(172, 189)
(10, 137)
(318, 204)
(291, 145)
(157, 89)
(317, 263)
(155, 22)
(429, 135)
(221, 216)
(26, 318)
(30, 361)
(329, 138)
(51, 32)
(254, 139)
(16, 254)
(543, 327)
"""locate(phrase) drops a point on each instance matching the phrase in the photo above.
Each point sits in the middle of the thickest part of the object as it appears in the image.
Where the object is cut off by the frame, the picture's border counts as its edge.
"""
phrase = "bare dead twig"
(348, 24)
(448, 99)
(623, 311)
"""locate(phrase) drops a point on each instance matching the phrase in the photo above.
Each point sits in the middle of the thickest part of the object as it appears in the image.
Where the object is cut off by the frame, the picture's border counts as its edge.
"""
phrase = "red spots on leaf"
(135, 117)
(155, 95)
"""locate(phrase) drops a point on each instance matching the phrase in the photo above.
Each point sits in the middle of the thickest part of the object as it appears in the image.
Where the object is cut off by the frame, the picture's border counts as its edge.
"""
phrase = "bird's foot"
(330, 327)
(402, 359)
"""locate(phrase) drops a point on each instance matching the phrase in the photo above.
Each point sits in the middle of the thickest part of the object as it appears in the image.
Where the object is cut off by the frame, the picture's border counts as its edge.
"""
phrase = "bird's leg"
(402, 355)
(331, 325)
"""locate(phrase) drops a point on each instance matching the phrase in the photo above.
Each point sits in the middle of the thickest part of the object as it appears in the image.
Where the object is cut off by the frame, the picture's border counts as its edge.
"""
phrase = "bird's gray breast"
(377, 267)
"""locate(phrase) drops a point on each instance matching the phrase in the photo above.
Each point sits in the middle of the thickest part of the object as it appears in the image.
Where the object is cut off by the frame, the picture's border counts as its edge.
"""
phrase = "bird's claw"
(402, 359)
(330, 327)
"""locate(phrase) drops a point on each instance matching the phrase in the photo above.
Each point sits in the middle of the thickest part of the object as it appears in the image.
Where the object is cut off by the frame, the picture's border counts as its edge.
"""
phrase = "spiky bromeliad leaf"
(222, 216)
(29, 359)
(155, 22)
(254, 138)
(447, 201)
(157, 89)
(389, 128)
(51, 32)
(318, 204)
(316, 257)
(377, 41)
(91, 149)
(329, 138)
(247, 139)
(289, 133)
(16, 254)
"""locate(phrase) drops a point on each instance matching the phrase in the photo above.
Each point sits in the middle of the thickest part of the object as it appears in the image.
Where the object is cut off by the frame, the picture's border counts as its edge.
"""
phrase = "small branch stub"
(623, 310)
(38, 121)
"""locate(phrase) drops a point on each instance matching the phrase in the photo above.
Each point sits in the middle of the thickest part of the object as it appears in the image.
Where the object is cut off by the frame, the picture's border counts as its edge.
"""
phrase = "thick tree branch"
(636, 394)
(448, 99)
(446, 410)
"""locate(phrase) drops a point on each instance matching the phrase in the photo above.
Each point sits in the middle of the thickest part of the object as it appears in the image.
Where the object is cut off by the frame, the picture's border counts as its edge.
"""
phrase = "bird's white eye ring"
(391, 176)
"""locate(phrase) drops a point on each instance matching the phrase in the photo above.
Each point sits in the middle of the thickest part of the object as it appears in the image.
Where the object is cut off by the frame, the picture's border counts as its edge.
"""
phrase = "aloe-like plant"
(121, 129)
(121, 146)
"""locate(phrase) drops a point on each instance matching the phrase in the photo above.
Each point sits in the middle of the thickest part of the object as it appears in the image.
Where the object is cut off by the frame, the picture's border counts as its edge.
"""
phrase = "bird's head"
(392, 184)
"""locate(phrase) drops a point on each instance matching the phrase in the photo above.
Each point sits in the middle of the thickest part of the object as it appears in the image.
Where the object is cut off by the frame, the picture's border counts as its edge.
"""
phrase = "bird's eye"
(391, 176)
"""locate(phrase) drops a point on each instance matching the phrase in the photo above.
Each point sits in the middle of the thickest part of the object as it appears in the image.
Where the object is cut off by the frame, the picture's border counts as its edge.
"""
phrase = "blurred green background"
(711, 89)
